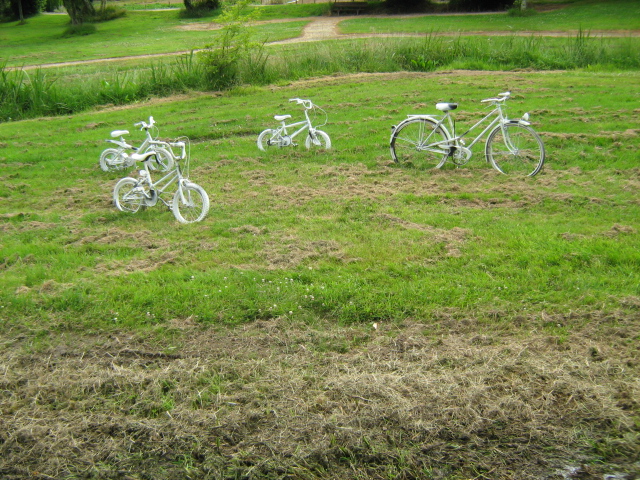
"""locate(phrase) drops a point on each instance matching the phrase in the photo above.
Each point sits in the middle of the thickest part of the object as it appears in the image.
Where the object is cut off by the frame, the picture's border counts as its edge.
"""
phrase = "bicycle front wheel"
(269, 138)
(318, 139)
(127, 196)
(420, 142)
(112, 159)
(190, 203)
(515, 149)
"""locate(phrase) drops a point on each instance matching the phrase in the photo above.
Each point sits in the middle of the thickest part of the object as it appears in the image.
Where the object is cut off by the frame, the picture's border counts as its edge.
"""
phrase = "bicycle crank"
(460, 155)
(151, 198)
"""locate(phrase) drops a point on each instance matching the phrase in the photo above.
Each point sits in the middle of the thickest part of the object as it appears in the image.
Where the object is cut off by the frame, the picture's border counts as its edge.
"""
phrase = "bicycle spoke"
(515, 149)
(421, 143)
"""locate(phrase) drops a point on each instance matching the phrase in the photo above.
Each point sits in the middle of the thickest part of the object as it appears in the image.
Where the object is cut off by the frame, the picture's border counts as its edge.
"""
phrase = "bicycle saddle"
(281, 118)
(119, 133)
(446, 107)
(142, 157)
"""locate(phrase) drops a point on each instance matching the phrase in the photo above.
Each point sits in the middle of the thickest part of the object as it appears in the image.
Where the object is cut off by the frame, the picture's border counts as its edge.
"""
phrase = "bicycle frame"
(456, 139)
(174, 176)
(282, 130)
(147, 143)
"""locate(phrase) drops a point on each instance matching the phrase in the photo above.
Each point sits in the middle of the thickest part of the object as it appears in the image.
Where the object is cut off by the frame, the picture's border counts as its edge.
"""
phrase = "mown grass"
(505, 309)
(358, 225)
(138, 33)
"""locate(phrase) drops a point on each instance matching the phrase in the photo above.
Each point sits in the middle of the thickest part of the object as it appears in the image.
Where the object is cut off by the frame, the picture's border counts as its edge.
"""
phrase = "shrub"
(222, 60)
(79, 30)
(199, 8)
(109, 13)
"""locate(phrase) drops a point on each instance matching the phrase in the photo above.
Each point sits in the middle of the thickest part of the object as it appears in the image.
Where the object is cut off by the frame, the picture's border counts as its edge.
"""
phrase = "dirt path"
(326, 28)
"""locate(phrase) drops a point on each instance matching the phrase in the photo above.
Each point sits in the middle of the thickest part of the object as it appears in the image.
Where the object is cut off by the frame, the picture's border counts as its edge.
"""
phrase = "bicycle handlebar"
(308, 104)
(145, 126)
(501, 98)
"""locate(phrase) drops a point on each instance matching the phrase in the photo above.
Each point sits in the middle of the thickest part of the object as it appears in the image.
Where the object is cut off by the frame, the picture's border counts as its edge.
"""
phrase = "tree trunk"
(20, 12)
(523, 4)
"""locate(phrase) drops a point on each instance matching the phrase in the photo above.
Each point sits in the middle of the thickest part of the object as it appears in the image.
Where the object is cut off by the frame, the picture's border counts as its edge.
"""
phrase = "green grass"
(335, 315)
(139, 33)
(143, 33)
(324, 282)
(612, 15)
(511, 254)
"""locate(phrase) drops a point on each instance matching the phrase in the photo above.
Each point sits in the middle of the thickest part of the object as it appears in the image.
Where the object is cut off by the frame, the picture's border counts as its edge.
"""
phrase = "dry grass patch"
(276, 399)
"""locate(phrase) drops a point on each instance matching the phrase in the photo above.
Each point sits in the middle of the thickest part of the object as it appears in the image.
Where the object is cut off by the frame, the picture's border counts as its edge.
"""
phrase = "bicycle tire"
(518, 150)
(265, 139)
(125, 196)
(111, 159)
(321, 140)
(163, 159)
(410, 143)
(195, 205)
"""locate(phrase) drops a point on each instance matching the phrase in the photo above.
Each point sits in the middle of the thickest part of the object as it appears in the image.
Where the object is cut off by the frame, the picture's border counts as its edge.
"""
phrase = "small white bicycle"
(189, 203)
(113, 159)
(279, 137)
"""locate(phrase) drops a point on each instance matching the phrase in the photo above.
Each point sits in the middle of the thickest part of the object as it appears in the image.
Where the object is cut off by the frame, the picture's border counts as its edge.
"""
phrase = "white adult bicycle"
(512, 146)
(113, 159)
(279, 137)
(189, 202)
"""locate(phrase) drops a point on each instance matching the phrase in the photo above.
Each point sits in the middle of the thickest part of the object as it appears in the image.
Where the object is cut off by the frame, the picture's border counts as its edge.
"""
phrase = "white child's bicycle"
(512, 146)
(189, 202)
(279, 137)
(113, 159)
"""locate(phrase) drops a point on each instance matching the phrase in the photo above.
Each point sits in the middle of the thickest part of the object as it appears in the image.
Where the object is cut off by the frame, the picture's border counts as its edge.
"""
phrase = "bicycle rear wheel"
(127, 196)
(191, 205)
(269, 138)
(515, 149)
(112, 159)
(162, 160)
(420, 142)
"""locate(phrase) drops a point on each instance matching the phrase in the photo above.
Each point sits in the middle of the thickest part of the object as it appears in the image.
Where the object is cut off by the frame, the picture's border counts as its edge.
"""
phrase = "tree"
(79, 10)
(19, 9)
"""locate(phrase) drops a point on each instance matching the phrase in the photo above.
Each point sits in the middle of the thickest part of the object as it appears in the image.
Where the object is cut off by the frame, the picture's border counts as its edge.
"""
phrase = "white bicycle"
(279, 137)
(189, 202)
(113, 159)
(512, 146)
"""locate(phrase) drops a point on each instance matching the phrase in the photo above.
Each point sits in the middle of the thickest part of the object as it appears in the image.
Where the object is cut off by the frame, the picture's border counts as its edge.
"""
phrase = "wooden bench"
(355, 7)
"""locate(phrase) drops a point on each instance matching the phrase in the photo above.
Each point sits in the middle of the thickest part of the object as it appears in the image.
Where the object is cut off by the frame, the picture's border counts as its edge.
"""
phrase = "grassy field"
(618, 15)
(335, 315)
(140, 33)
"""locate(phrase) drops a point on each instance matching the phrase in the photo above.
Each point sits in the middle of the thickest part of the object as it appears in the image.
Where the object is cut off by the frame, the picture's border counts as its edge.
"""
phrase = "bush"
(518, 12)
(79, 30)
(109, 13)
(199, 8)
